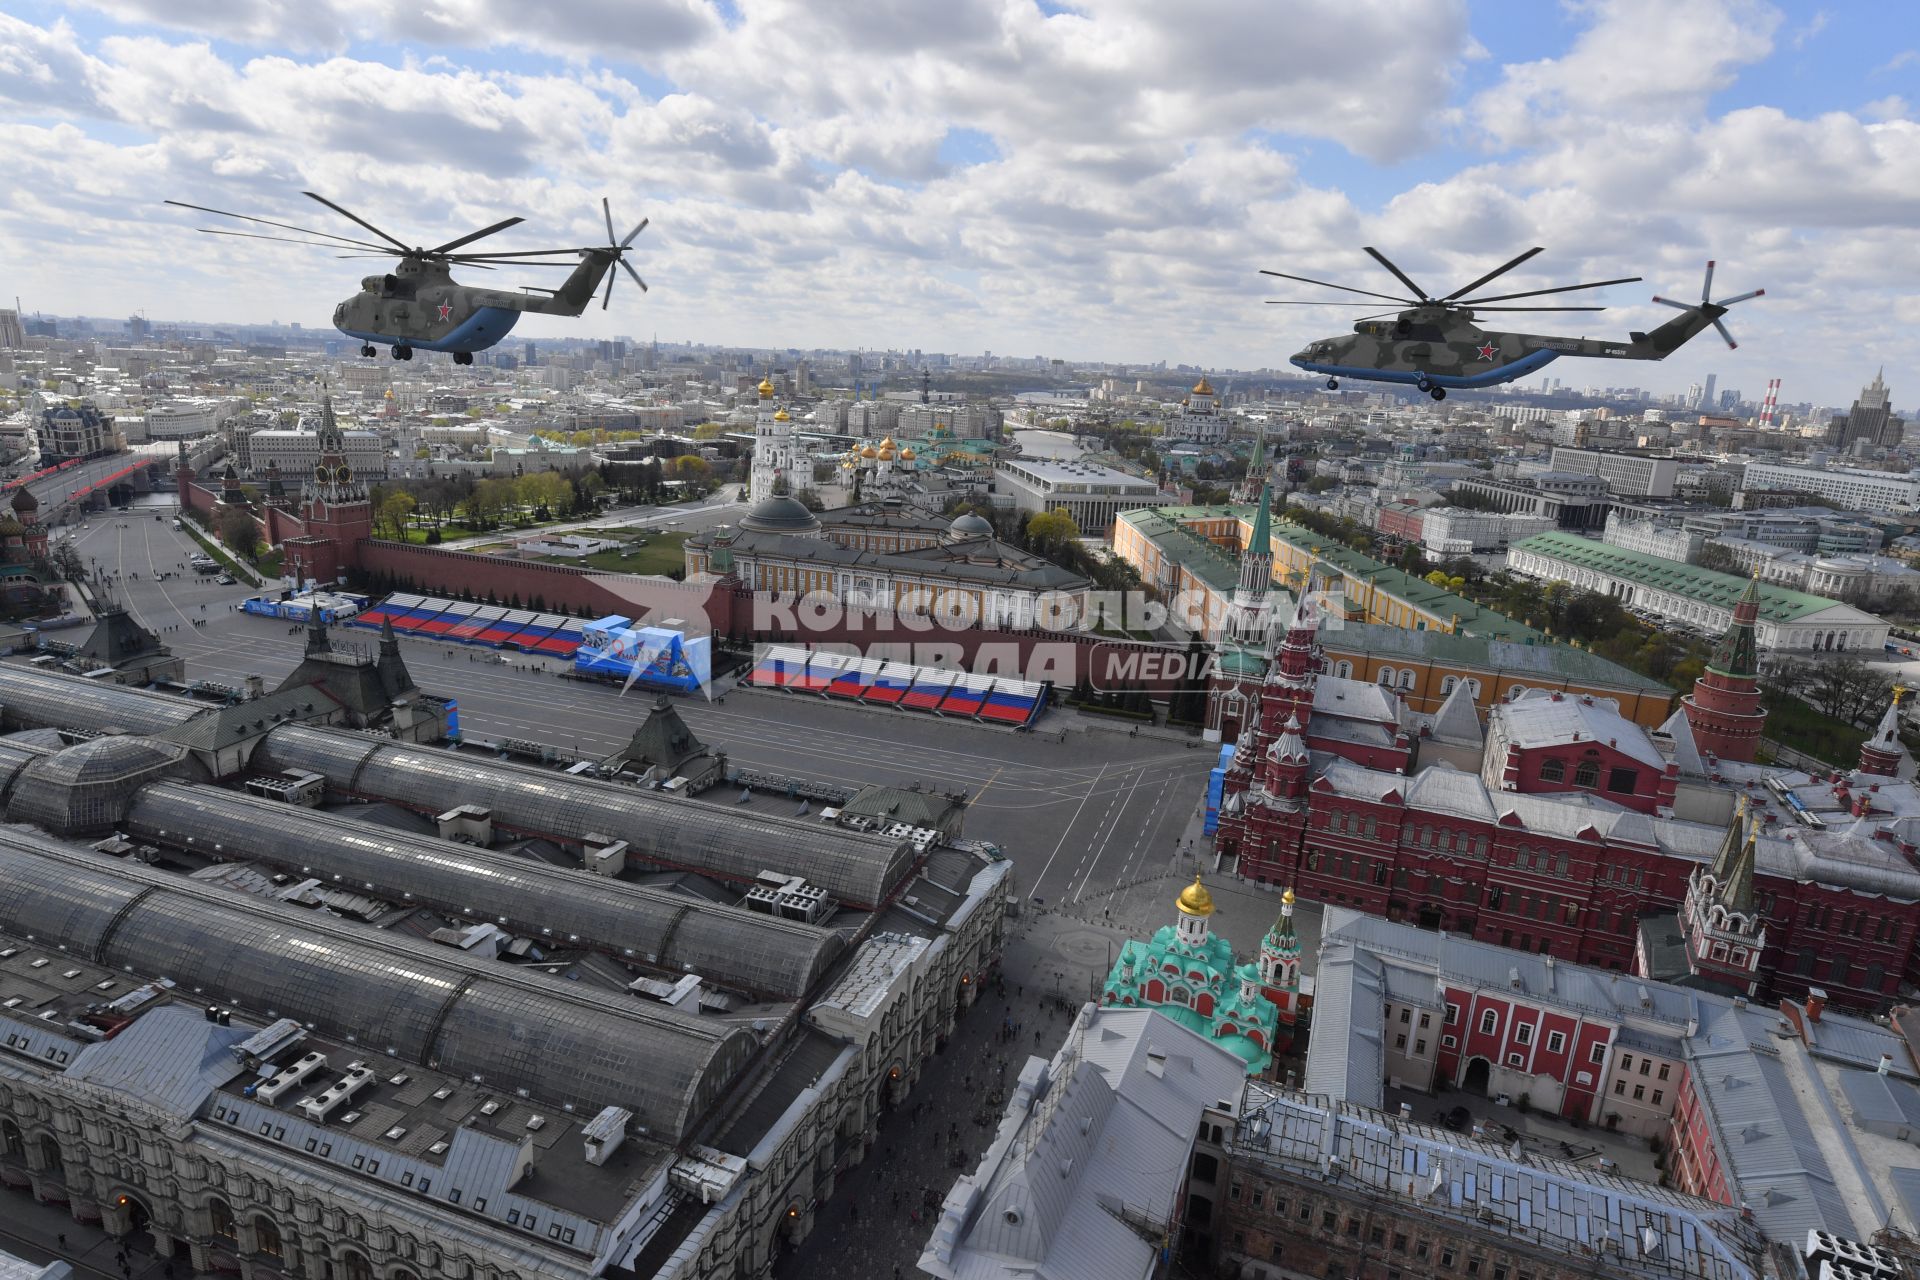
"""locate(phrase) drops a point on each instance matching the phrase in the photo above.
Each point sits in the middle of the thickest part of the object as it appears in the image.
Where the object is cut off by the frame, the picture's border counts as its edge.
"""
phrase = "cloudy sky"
(1088, 178)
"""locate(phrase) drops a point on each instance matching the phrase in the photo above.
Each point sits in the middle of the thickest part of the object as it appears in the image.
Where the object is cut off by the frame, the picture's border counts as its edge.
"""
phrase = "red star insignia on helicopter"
(446, 309)
(1486, 353)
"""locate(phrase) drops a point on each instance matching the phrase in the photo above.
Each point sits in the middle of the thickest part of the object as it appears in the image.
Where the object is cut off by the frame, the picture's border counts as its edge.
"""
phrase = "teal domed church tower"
(1186, 971)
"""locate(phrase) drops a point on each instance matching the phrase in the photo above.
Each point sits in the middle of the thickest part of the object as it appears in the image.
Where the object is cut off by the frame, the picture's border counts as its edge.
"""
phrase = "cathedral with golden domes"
(880, 470)
(1202, 418)
(1186, 971)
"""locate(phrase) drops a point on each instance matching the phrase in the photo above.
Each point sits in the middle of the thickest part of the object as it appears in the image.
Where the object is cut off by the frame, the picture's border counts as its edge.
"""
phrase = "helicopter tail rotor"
(1709, 309)
(618, 249)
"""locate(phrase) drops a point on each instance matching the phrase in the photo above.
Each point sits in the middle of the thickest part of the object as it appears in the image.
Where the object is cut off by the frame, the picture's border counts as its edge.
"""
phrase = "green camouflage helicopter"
(1434, 345)
(420, 304)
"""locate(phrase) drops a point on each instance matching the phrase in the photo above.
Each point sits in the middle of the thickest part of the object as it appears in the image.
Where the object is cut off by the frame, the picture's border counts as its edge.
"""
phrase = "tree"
(1320, 484)
(693, 472)
(1717, 557)
(1049, 529)
(238, 530)
(392, 515)
(709, 431)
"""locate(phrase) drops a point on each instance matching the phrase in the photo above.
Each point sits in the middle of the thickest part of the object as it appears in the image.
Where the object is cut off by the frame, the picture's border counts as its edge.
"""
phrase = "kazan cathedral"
(1186, 971)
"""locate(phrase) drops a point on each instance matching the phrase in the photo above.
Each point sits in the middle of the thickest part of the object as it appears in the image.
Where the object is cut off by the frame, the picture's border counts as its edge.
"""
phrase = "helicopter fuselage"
(420, 305)
(1442, 347)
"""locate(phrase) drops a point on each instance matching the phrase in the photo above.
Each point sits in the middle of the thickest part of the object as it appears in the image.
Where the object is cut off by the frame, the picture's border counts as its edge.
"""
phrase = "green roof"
(1546, 659)
(1162, 526)
(1723, 590)
(1438, 601)
(1210, 563)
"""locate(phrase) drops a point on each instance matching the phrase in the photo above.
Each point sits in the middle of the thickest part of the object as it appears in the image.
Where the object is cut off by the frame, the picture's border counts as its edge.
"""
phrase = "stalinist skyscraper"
(1871, 418)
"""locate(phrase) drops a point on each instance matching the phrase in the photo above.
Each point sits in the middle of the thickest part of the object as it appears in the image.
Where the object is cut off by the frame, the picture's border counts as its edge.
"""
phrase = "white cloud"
(1638, 61)
(1135, 163)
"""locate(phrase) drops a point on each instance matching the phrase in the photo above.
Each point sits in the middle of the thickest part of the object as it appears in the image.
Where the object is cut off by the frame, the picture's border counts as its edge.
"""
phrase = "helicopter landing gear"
(463, 357)
(1438, 393)
(401, 351)
(368, 349)
(1333, 384)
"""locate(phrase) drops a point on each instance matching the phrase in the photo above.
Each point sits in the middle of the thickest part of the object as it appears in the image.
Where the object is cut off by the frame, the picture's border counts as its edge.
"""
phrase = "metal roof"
(1717, 590)
(735, 843)
(170, 1058)
(1108, 1124)
(421, 1002)
(30, 698)
(729, 945)
(1629, 1228)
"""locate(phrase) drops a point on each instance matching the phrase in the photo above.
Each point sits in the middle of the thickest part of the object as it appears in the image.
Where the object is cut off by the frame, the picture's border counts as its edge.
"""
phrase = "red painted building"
(1568, 866)
(1401, 520)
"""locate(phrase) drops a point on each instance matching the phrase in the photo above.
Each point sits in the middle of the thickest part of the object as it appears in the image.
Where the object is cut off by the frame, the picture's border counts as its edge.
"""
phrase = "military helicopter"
(1435, 345)
(420, 304)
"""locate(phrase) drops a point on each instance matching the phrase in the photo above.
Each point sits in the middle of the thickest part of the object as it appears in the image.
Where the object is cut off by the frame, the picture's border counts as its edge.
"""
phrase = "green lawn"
(660, 555)
(1793, 723)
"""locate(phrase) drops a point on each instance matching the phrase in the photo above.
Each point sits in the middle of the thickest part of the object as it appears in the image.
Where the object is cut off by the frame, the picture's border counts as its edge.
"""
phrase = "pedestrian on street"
(62, 1238)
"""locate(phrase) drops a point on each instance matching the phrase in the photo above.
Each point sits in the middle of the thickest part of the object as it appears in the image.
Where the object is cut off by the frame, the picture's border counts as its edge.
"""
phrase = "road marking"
(1101, 850)
(975, 799)
(1069, 831)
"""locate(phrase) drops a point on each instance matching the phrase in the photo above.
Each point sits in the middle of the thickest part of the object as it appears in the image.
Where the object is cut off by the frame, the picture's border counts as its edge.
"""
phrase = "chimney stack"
(1816, 1003)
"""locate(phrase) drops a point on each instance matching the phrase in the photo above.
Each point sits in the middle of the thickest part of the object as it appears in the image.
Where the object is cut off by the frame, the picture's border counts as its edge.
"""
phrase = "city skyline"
(817, 179)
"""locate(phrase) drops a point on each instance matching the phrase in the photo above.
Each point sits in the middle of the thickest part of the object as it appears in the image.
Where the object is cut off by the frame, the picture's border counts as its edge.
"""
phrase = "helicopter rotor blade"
(1669, 302)
(515, 253)
(1706, 285)
(628, 268)
(1741, 297)
(498, 226)
(609, 295)
(607, 209)
(1328, 284)
(507, 261)
(354, 217)
(1276, 302)
(1535, 293)
(638, 227)
(268, 222)
(377, 251)
(1464, 290)
(1480, 309)
(1731, 344)
(1400, 275)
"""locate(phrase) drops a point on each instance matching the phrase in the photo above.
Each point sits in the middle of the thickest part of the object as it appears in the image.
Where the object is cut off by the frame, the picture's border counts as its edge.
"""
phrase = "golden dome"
(886, 455)
(1287, 897)
(766, 388)
(780, 415)
(1203, 387)
(1194, 900)
(906, 454)
(869, 452)
(887, 442)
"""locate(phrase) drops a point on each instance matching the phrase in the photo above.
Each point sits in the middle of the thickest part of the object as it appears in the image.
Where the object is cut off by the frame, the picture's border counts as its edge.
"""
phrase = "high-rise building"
(12, 336)
(1706, 392)
(1870, 419)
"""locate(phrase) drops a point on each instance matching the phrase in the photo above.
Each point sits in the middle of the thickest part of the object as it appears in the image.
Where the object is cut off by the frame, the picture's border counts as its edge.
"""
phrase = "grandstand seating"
(941, 692)
(489, 625)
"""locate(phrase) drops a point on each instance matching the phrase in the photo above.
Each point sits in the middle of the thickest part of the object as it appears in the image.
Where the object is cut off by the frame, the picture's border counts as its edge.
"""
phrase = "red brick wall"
(434, 570)
(1033, 655)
